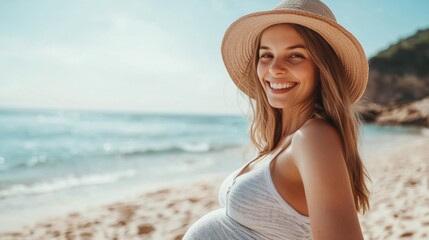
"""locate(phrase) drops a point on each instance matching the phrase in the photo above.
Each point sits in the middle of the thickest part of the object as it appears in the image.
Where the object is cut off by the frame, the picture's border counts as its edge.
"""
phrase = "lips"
(281, 83)
(280, 91)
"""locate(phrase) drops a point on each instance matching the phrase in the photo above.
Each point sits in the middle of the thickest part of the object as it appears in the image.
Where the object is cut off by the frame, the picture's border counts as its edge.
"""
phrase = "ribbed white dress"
(252, 208)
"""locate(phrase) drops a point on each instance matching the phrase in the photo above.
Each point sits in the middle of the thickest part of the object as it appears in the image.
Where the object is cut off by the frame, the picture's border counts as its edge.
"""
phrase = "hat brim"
(239, 44)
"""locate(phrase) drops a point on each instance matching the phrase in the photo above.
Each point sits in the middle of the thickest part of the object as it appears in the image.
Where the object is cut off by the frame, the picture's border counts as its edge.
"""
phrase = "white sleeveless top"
(252, 208)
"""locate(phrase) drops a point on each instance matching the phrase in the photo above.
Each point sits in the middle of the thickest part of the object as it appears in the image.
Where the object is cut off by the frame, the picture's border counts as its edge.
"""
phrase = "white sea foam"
(196, 147)
(58, 118)
(65, 183)
(36, 160)
(168, 148)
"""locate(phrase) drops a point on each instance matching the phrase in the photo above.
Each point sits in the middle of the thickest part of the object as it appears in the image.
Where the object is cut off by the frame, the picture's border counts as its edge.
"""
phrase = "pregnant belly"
(217, 225)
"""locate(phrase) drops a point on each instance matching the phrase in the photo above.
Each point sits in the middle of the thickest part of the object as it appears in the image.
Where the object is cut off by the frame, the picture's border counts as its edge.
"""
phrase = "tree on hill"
(400, 73)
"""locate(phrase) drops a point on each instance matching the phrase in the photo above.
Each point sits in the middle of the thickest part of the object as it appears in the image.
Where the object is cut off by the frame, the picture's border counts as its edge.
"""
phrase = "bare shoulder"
(315, 134)
(317, 149)
(317, 146)
(318, 156)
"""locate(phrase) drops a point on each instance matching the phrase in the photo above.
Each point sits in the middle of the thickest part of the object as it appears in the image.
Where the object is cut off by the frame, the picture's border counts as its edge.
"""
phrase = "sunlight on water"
(55, 155)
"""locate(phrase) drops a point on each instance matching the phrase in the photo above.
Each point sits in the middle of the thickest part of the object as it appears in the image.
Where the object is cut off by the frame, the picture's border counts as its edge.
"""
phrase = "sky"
(149, 55)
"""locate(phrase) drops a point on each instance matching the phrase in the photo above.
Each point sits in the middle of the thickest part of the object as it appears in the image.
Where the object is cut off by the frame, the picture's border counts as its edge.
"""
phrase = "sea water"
(52, 161)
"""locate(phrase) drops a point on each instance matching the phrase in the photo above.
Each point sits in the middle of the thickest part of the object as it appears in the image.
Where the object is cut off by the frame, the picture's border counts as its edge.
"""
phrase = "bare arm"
(319, 158)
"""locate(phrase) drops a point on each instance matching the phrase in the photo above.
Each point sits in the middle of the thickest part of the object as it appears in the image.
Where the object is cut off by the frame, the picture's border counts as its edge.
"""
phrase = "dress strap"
(287, 140)
(281, 146)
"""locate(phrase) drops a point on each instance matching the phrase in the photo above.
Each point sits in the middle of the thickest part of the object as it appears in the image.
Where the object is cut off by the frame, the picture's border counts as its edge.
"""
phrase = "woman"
(304, 74)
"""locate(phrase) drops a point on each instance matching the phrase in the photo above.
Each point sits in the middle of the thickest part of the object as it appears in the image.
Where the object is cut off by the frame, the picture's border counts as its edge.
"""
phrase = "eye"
(265, 55)
(295, 55)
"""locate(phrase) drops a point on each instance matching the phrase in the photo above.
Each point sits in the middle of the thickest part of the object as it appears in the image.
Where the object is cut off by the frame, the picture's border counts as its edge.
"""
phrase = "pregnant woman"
(303, 74)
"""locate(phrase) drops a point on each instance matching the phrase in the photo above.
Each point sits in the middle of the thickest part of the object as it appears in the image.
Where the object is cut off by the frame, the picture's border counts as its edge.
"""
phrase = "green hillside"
(400, 73)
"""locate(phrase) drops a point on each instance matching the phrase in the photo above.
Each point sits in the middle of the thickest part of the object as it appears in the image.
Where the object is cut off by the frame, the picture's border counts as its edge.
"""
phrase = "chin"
(277, 105)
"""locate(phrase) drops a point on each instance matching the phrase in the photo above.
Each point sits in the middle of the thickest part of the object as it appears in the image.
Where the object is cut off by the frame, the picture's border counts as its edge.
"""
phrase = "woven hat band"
(238, 45)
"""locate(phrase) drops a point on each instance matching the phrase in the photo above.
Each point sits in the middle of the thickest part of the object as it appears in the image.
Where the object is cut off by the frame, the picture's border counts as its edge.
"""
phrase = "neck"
(294, 117)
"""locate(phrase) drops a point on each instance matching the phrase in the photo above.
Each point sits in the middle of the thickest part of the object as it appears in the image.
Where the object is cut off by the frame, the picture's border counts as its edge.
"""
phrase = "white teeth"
(281, 86)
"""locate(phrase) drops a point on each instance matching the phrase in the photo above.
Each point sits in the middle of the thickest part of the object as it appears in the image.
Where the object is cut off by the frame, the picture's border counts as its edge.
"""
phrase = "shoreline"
(43, 218)
(398, 200)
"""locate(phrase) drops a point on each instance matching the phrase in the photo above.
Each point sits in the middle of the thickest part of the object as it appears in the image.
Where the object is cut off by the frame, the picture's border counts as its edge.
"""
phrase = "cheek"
(310, 74)
(260, 71)
(314, 76)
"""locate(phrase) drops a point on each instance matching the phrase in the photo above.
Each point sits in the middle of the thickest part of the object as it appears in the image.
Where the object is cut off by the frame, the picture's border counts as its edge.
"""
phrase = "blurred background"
(100, 100)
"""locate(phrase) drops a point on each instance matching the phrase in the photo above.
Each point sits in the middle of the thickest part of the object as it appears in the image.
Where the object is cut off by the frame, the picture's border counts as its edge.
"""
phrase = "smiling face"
(285, 69)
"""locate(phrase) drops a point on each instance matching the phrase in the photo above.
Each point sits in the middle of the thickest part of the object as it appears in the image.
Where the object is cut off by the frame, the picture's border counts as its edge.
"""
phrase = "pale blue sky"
(149, 55)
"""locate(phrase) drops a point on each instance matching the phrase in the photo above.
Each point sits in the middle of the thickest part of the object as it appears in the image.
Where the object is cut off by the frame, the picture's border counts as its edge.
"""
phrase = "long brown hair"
(332, 102)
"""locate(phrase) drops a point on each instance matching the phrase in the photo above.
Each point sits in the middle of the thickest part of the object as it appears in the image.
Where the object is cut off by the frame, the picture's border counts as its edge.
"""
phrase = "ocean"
(52, 162)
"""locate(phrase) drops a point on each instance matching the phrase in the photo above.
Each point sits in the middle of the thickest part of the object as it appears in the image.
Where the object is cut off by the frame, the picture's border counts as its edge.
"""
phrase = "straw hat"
(240, 39)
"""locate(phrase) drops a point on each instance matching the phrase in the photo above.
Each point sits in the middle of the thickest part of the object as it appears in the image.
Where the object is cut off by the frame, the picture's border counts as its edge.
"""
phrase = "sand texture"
(399, 205)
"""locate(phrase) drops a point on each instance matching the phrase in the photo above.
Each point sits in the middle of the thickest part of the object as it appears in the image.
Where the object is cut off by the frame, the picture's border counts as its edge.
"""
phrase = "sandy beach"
(399, 205)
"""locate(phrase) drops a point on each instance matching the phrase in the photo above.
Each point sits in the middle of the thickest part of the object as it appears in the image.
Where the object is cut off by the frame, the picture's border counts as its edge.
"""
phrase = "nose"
(277, 67)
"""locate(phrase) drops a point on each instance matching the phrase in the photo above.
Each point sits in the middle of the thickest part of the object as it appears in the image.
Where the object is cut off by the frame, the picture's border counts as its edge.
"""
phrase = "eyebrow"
(288, 48)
